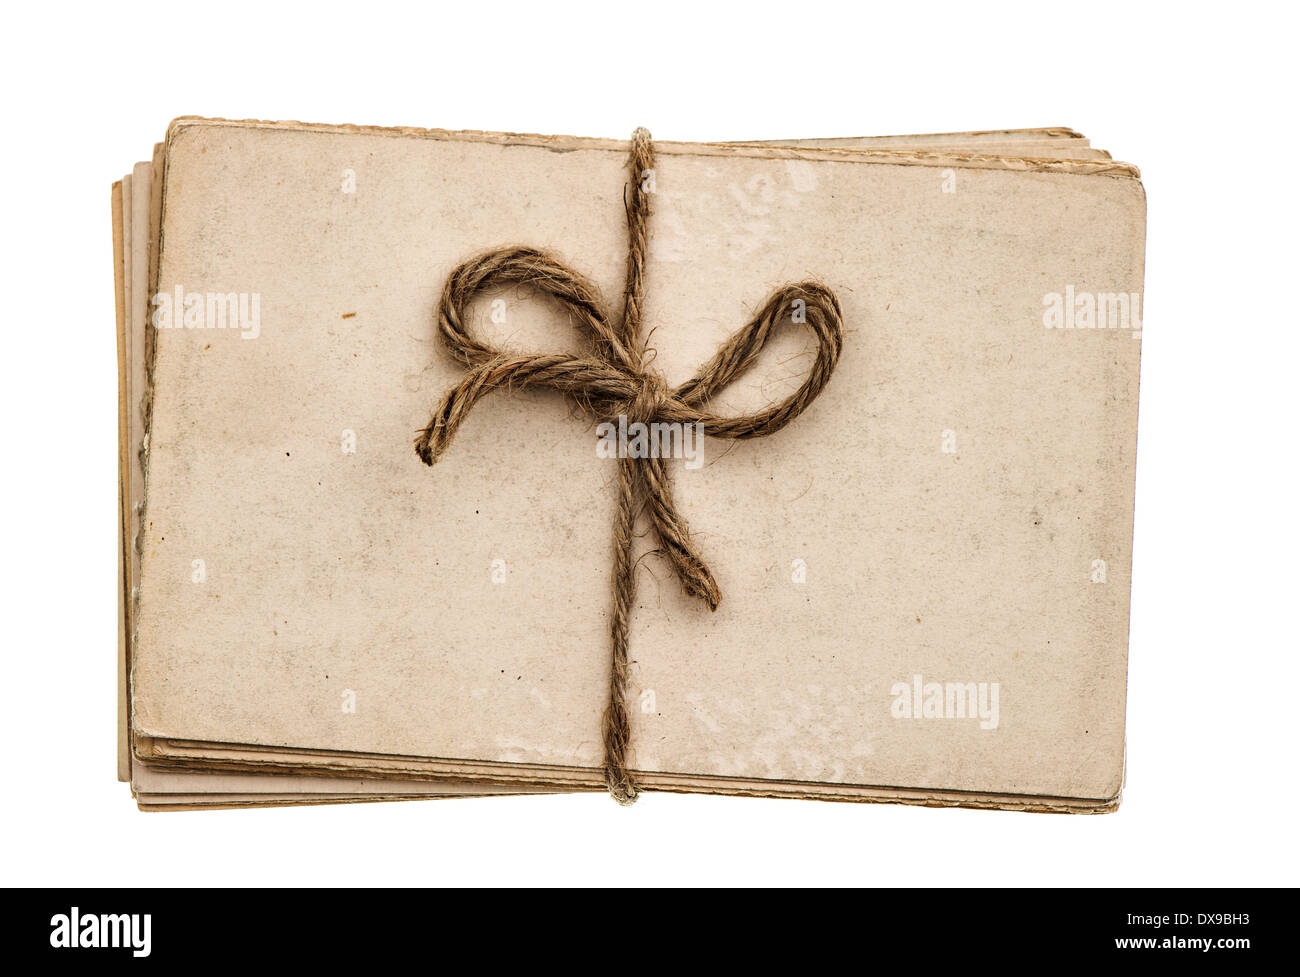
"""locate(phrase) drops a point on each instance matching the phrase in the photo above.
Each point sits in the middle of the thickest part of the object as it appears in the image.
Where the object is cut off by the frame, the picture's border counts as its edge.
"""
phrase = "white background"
(1202, 101)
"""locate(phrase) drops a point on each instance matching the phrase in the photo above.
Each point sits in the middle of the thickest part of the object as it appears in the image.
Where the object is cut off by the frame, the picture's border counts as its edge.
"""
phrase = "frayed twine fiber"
(614, 381)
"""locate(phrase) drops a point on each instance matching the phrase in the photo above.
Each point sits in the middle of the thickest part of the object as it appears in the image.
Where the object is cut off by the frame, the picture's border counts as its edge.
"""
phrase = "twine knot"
(613, 380)
(650, 400)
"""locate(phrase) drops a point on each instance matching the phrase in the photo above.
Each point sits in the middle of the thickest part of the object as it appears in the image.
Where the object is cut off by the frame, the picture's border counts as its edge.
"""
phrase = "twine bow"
(615, 380)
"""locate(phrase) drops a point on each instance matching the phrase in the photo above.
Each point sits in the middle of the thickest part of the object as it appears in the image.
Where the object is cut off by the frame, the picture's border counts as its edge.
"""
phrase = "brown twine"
(616, 381)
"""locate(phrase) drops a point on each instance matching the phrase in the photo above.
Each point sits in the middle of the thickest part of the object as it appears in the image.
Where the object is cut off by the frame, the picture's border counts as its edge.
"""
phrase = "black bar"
(967, 928)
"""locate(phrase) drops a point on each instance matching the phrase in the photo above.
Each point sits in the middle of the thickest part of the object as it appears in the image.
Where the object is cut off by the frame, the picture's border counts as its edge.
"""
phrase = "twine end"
(703, 586)
(624, 794)
(424, 448)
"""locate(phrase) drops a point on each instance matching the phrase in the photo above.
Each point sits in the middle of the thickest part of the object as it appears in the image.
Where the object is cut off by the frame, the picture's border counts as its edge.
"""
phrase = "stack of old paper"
(925, 577)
